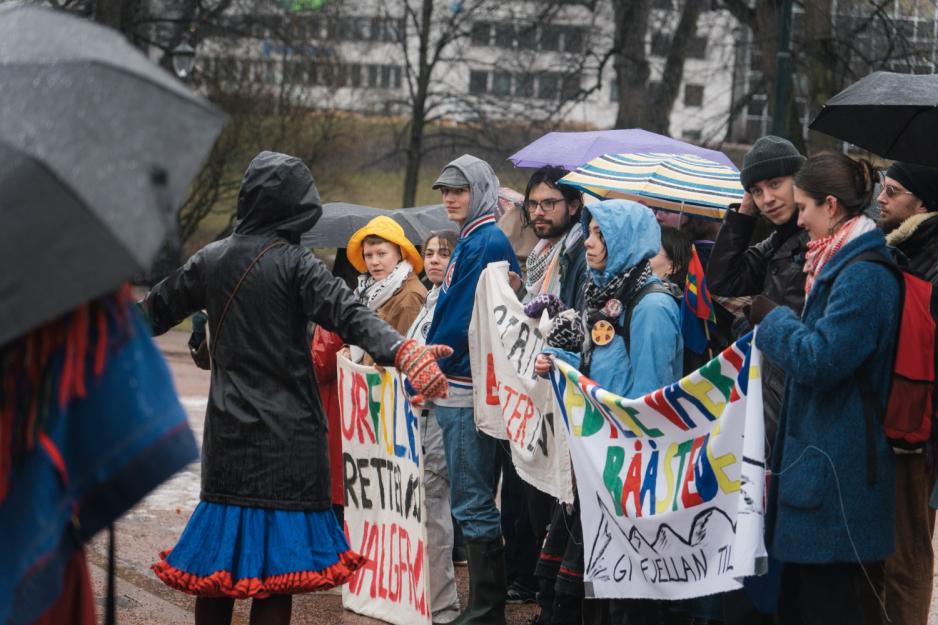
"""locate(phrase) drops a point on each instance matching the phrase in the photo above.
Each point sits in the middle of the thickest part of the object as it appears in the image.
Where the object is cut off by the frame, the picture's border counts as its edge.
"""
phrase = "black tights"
(274, 610)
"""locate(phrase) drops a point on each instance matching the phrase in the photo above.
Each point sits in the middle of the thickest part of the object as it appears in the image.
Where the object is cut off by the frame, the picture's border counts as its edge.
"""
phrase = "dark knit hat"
(921, 180)
(770, 157)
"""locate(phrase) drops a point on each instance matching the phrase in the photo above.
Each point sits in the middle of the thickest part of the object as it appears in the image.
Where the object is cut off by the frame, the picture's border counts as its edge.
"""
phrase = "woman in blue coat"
(831, 499)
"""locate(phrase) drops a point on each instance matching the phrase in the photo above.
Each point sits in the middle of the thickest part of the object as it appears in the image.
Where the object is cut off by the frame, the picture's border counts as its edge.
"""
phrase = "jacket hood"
(631, 232)
(483, 185)
(277, 196)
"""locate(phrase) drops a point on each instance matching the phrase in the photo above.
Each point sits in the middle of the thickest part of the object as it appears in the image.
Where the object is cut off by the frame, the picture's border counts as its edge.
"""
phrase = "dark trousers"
(522, 546)
(828, 594)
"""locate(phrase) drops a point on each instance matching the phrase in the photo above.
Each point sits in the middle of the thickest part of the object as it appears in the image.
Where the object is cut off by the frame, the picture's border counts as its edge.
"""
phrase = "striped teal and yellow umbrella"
(681, 183)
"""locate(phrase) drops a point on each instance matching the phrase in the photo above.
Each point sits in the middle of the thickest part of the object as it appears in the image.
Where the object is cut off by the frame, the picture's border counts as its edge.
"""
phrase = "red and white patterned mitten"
(418, 363)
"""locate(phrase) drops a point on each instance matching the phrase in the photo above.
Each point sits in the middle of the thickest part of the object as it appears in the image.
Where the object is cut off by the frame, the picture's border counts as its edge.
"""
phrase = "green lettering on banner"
(615, 458)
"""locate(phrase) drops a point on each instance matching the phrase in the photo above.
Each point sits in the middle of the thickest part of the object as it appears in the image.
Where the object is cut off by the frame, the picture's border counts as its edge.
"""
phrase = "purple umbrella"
(573, 149)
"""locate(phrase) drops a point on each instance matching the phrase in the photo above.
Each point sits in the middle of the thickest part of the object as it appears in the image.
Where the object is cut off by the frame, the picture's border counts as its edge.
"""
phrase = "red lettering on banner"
(521, 410)
(359, 393)
(491, 382)
(394, 568)
(389, 567)
(688, 498)
(658, 403)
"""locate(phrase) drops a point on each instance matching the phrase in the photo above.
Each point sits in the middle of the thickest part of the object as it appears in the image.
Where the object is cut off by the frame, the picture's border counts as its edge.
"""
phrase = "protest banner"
(670, 484)
(382, 460)
(514, 404)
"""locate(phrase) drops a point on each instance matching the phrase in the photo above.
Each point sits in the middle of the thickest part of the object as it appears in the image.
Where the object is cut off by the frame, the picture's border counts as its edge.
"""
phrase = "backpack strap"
(873, 409)
(625, 330)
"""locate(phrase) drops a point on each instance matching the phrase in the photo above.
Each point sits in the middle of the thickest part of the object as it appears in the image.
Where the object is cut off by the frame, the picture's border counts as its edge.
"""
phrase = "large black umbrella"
(892, 115)
(98, 147)
(340, 220)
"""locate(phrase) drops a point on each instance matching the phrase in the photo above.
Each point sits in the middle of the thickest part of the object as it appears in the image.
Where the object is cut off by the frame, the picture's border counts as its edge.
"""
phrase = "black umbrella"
(339, 222)
(98, 147)
(892, 115)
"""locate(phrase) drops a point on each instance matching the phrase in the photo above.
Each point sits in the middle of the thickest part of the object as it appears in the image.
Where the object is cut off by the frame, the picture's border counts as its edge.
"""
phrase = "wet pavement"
(158, 520)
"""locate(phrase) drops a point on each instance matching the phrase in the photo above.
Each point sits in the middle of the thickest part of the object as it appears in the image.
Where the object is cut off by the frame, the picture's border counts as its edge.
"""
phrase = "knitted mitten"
(418, 363)
(544, 301)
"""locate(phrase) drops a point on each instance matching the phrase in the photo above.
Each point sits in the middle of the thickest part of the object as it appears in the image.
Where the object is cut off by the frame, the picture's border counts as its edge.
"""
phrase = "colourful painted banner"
(514, 404)
(384, 511)
(670, 484)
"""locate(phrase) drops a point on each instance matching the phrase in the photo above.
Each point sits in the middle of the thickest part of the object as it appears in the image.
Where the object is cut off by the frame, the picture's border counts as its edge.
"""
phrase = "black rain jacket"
(773, 267)
(265, 441)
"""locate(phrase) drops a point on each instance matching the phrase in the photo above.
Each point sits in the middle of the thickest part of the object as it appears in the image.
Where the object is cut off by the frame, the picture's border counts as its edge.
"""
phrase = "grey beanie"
(770, 157)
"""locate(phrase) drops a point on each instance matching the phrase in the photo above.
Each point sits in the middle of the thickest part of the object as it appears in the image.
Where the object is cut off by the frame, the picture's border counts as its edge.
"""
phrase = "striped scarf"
(821, 251)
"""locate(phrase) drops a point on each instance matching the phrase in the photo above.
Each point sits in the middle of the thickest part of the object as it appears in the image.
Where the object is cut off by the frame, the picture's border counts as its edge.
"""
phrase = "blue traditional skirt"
(241, 552)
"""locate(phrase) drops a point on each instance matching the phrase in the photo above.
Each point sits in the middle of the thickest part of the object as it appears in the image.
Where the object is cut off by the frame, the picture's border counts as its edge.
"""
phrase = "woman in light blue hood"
(628, 336)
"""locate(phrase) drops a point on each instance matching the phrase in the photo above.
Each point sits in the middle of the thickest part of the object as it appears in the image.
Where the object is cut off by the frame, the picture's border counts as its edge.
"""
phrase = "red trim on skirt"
(220, 583)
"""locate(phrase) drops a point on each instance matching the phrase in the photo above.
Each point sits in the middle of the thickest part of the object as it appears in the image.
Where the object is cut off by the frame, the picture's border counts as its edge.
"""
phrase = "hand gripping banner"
(670, 484)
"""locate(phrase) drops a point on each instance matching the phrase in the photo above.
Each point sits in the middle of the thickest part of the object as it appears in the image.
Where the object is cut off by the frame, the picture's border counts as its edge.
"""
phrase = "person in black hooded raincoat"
(264, 527)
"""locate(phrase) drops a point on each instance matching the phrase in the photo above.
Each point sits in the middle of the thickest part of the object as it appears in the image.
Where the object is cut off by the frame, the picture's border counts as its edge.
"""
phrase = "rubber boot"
(488, 584)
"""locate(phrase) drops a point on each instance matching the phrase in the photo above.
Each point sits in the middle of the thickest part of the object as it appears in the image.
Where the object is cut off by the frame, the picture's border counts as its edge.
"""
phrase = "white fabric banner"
(383, 462)
(510, 402)
(670, 484)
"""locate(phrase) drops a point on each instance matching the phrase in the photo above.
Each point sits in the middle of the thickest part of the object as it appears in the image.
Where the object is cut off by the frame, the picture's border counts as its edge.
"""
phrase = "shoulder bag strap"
(224, 312)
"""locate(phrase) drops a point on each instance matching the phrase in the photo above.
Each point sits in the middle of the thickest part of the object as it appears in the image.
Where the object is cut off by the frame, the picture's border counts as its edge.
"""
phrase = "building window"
(693, 95)
(355, 75)
(501, 83)
(691, 135)
(697, 48)
(524, 86)
(372, 75)
(478, 82)
(548, 86)
(481, 34)
(550, 38)
(504, 35)
(574, 40)
(570, 87)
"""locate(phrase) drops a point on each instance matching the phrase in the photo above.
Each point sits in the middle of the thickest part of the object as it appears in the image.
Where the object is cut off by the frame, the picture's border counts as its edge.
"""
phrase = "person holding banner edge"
(469, 189)
(444, 602)
(627, 338)
(831, 506)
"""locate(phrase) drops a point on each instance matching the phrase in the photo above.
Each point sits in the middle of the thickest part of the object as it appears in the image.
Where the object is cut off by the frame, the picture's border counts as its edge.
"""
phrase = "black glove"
(760, 307)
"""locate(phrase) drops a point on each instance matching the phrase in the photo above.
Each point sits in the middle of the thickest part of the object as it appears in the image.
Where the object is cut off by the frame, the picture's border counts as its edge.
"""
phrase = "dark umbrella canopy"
(340, 220)
(98, 146)
(892, 115)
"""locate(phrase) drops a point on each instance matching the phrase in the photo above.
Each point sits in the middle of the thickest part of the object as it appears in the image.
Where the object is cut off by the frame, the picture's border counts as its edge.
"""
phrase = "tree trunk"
(418, 111)
(673, 75)
(631, 62)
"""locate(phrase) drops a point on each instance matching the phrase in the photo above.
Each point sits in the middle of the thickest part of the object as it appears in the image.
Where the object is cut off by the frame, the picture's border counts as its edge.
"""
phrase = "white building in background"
(349, 56)
(352, 59)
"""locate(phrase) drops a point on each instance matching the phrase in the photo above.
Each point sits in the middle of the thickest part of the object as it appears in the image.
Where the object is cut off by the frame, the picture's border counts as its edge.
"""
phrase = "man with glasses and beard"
(554, 279)
(908, 206)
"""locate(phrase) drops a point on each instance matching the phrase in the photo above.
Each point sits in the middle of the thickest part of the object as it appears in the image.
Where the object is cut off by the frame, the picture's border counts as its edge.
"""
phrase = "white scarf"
(375, 293)
(545, 256)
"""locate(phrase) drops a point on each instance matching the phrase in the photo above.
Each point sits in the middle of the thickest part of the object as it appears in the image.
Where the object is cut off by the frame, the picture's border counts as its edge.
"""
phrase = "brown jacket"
(401, 310)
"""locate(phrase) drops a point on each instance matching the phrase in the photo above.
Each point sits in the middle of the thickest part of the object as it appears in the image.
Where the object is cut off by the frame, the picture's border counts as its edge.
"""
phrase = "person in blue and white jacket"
(470, 193)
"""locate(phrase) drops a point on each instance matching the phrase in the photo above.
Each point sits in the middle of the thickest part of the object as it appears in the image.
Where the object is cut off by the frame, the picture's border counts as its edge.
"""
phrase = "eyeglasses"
(892, 191)
(547, 205)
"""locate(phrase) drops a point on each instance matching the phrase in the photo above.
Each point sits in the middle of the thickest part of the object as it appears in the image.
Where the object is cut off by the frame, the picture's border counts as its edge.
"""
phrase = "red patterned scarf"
(822, 250)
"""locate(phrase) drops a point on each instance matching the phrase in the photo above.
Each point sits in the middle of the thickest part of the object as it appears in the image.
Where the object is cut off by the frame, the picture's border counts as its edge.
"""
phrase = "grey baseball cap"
(451, 177)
